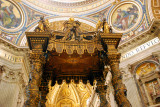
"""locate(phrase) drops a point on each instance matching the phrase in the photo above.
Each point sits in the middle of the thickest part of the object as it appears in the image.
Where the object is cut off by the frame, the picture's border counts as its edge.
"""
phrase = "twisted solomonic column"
(102, 90)
(33, 93)
(119, 87)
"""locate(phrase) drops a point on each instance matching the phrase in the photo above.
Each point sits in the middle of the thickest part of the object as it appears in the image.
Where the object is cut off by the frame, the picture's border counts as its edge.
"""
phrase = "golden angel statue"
(106, 27)
(99, 25)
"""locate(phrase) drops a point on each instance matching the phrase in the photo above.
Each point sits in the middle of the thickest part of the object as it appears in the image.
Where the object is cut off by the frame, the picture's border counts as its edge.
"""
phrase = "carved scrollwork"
(12, 75)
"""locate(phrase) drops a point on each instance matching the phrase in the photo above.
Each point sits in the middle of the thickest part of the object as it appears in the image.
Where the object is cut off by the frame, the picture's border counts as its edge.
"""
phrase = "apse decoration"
(145, 68)
(147, 74)
(153, 88)
(68, 95)
(125, 16)
(10, 16)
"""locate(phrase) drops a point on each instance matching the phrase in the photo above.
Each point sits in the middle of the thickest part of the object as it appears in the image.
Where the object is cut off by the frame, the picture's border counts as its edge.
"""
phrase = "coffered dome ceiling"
(131, 18)
(68, 7)
(69, 1)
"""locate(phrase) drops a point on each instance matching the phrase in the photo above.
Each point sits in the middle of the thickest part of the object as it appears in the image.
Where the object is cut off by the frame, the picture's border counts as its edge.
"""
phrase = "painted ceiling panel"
(128, 17)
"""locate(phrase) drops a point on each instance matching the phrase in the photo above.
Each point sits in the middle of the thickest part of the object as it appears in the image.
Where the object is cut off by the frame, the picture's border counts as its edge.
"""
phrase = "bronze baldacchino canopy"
(73, 55)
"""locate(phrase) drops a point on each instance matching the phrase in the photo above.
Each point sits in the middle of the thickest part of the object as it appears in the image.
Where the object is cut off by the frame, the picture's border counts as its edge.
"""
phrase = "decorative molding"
(126, 72)
(77, 93)
(64, 10)
(155, 4)
(13, 76)
(140, 48)
(13, 46)
(16, 71)
(141, 38)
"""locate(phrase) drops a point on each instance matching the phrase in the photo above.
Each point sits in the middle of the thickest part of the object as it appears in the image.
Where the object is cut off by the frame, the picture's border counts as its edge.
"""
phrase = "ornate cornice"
(150, 76)
(12, 46)
(143, 37)
(111, 39)
(13, 75)
(71, 4)
(16, 60)
(37, 33)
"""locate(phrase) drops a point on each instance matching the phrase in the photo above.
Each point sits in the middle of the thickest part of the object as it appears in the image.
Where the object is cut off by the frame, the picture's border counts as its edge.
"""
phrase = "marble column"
(33, 93)
(119, 87)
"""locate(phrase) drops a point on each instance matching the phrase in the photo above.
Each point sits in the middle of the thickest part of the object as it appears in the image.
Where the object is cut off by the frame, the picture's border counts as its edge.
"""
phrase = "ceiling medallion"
(11, 16)
(125, 16)
(69, 1)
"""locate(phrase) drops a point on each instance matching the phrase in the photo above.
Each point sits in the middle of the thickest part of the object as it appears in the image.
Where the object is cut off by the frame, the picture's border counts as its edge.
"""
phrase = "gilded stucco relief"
(68, 95)
(145, 68)
(155, 4)
(27, 14)
(147, 74)
(76, 95)
(62, 7)
(153, 88)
